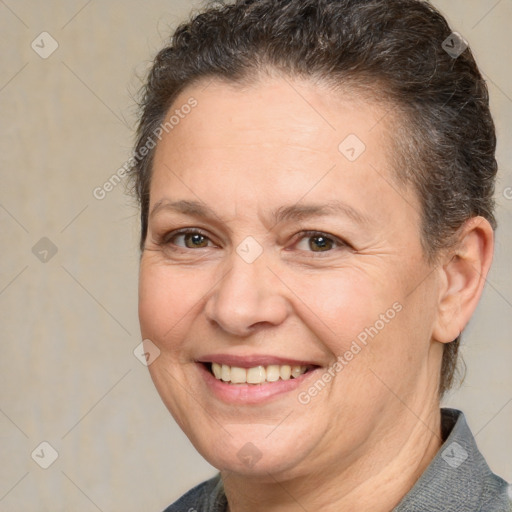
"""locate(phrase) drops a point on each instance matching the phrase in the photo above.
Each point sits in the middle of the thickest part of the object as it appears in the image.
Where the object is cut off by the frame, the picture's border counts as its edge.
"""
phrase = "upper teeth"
(257, 374)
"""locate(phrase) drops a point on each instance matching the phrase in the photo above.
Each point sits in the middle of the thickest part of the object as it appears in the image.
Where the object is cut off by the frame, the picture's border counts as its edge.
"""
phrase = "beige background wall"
(69, 325)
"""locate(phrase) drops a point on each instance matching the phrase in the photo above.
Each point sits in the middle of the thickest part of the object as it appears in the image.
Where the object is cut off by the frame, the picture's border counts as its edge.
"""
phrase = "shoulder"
(458, 478)
(205, 497)
(496, 494)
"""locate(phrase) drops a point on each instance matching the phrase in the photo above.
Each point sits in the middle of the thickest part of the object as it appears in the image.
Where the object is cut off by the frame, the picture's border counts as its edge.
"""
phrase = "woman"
(315, 181)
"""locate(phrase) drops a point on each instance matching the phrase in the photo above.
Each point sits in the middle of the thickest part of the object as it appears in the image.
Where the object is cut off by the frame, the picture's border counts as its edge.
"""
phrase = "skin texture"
(362, 442)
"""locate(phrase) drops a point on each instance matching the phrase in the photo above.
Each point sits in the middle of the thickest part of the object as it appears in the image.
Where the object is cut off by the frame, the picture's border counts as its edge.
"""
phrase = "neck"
(376, 480)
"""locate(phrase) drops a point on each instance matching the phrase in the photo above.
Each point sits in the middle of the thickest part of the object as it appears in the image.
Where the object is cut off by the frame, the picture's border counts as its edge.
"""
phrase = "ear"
(463, 276)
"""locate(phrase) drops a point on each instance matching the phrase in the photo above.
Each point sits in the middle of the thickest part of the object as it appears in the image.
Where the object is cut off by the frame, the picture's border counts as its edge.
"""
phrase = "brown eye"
(189, 240)
(320, 243)
(193, 240)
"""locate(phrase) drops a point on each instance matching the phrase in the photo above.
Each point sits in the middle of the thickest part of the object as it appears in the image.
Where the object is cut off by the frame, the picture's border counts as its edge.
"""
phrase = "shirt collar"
(457, 474)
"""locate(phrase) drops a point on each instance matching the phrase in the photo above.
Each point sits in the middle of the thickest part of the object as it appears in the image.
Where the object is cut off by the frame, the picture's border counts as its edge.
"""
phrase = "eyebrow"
(294, 212)
(300, 212)
(193, 208)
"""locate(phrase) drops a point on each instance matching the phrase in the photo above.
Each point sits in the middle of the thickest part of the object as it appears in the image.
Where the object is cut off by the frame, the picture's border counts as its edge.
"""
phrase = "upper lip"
(250, 361)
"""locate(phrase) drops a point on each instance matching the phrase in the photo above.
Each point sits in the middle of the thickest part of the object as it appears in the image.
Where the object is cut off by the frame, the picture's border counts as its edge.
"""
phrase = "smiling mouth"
(257, 374)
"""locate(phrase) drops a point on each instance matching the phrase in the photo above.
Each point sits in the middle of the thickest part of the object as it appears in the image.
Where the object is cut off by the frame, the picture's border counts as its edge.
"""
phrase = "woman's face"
(280, 243)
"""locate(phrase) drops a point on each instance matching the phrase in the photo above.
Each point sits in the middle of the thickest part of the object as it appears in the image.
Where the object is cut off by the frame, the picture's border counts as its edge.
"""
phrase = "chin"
(248, 452)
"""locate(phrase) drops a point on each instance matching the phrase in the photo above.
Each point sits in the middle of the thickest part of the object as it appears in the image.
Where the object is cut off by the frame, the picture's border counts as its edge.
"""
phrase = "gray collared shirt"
(457, 480)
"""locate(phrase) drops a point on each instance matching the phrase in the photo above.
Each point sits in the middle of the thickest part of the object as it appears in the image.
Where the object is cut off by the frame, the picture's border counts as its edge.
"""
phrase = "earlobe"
(463, 278)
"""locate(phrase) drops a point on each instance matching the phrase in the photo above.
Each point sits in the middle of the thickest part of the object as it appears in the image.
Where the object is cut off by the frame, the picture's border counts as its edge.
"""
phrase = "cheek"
(339, 306)
(368, 325)
(167, 298)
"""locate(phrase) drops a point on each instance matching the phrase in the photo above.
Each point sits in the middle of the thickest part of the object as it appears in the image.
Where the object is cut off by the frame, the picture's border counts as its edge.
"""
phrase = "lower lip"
(250, 393)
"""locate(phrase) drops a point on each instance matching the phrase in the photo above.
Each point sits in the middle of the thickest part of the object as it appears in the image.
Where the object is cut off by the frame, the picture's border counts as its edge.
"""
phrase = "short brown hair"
(445, 137)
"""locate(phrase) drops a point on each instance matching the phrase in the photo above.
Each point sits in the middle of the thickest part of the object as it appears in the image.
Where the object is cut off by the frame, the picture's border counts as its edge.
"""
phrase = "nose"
(248, 297)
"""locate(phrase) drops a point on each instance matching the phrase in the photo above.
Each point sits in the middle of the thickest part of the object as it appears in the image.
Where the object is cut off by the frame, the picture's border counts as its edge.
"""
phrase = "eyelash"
(337, 242)
(167, 239)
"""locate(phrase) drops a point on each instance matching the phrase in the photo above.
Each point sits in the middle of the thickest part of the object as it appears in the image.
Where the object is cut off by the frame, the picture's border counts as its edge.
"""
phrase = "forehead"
(275, 112)
(275, 142)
